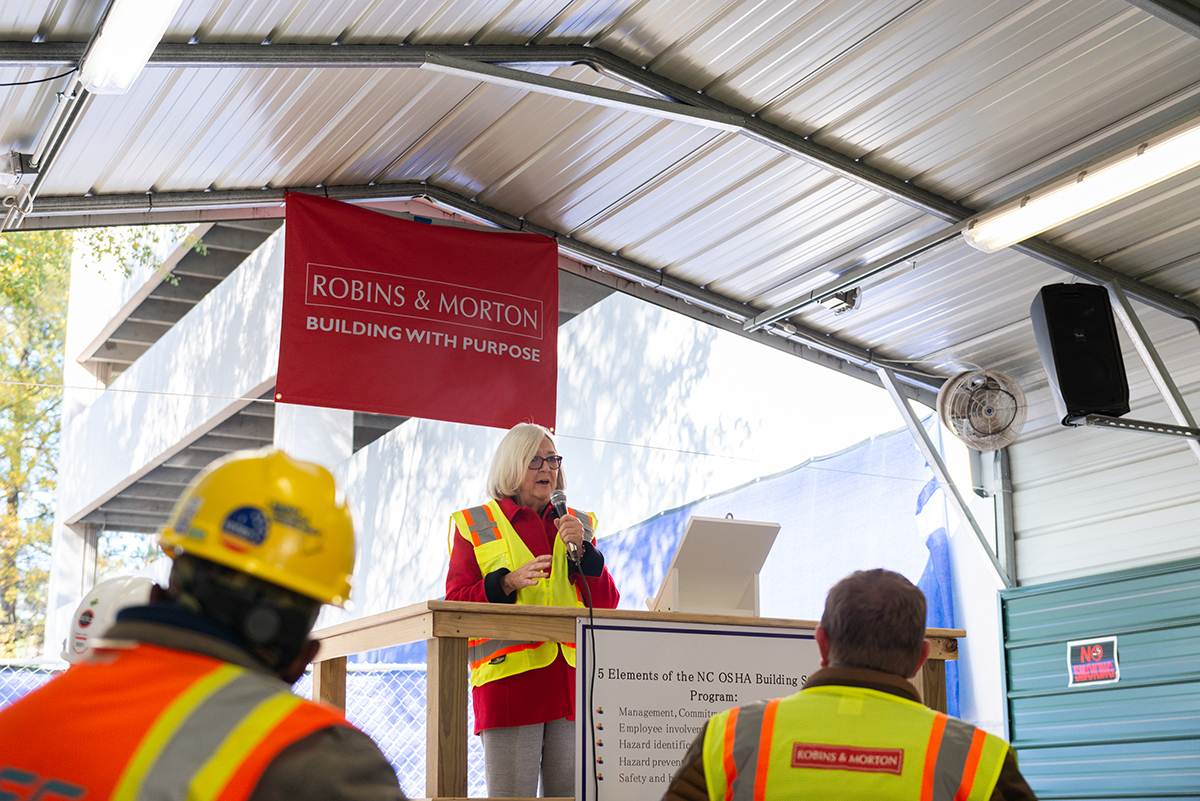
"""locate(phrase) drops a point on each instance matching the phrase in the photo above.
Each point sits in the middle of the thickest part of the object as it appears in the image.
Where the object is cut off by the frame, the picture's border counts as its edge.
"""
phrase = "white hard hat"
(98, 611)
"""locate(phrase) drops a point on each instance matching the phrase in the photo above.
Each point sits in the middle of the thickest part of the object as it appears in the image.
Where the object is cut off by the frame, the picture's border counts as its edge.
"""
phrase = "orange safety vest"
(834, 741)
(151, 722)
(496, 544)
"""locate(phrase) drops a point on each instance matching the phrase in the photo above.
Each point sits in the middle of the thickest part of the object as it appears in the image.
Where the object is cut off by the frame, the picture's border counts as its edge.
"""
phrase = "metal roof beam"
(574, 90)
(906, 192)
(286, 56)
(855, 276)
(807, 343)
(474, 61)
(1180, 13)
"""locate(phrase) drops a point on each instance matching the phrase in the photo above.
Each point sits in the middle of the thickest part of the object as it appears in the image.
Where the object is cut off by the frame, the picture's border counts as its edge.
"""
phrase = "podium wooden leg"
(446, 718)
(933, 684)
(329, 681)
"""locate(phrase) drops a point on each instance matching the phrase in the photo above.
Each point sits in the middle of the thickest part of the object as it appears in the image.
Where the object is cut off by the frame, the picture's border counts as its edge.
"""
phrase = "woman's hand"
(570, 531)
(527, 575)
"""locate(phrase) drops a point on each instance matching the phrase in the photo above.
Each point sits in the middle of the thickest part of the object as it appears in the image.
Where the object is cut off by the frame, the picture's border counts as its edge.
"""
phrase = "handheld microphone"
(558, 499)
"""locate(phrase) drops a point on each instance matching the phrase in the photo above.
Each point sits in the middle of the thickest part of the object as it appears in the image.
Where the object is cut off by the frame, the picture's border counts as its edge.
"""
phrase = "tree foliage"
(34, 276)
(131, 247)
(34, 279)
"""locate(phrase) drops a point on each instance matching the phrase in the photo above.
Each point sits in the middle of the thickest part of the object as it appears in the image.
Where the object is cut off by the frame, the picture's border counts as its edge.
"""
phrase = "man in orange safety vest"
(188, 697)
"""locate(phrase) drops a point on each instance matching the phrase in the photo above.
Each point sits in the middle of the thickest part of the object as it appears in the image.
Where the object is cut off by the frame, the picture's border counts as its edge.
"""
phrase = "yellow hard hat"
(270, 516)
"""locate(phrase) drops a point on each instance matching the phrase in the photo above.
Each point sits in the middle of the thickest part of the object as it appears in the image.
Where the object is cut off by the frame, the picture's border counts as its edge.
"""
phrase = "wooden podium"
(446, 625)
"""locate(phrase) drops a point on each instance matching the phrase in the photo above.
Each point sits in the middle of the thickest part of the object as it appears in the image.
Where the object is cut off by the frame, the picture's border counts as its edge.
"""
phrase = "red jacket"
(536, 696)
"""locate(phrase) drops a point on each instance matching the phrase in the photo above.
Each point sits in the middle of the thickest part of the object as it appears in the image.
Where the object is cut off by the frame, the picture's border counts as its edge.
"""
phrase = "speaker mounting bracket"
(1162, 429)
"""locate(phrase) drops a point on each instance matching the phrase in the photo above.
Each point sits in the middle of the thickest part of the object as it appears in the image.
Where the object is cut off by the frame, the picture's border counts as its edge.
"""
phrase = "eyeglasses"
(553, 461)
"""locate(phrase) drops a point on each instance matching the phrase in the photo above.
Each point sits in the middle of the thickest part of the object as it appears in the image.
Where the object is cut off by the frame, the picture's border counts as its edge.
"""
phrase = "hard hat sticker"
(188, 514)
(244, 527)
(293, 516)
(85, 619)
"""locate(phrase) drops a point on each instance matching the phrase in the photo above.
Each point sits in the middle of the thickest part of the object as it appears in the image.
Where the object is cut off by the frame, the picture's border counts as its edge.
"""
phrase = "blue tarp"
(837, 514)
(849, 511)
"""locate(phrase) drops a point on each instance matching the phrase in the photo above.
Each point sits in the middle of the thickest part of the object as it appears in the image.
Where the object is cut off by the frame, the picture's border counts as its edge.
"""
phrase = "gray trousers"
(514, 756)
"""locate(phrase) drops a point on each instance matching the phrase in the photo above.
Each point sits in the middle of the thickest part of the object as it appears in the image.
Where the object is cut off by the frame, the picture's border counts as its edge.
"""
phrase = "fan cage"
(986, 409)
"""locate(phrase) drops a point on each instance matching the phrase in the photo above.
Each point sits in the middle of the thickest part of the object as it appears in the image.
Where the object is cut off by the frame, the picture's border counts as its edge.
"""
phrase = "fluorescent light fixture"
(1152, 160)
(129, 32)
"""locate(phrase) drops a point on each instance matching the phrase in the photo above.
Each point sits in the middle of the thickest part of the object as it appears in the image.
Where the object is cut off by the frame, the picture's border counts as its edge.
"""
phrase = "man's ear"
(925, 649)
(822, 645)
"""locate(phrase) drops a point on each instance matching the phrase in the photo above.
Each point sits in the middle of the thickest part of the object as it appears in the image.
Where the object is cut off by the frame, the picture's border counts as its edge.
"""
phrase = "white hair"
(512, 458)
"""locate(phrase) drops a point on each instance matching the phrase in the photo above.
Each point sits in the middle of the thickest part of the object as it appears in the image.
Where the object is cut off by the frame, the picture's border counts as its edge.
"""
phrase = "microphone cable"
(591, 714)
(558, 500)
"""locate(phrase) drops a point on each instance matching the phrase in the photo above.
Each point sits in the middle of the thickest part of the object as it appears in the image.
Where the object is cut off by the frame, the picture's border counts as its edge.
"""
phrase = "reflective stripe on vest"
(764, 751)
(188, 726)
(482, 525)
(204, 735)
(952, 759)
(589, 533)
(481, 651)
(496, 544)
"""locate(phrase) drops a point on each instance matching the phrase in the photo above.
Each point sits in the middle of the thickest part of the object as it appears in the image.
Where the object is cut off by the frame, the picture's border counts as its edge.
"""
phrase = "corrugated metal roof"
(947, 101)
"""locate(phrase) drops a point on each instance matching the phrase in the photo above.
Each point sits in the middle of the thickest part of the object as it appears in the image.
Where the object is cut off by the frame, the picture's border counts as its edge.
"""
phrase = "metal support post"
(921, 436)
(1006, 533)
(91, 557)
(1154, 363)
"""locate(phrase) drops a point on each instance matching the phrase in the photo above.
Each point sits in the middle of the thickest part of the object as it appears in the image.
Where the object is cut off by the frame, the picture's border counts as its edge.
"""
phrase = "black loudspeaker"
(1077, 340)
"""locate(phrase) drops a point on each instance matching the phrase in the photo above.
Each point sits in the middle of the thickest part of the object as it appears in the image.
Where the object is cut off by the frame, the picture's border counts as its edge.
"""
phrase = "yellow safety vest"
(497, 545)
(833, 742)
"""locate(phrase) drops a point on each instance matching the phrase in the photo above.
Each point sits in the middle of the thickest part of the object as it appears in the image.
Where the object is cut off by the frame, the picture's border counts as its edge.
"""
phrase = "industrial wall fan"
(984, 408)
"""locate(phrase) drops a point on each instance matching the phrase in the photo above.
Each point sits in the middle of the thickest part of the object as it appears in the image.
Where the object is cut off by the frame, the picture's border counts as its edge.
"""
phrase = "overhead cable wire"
(39, 80)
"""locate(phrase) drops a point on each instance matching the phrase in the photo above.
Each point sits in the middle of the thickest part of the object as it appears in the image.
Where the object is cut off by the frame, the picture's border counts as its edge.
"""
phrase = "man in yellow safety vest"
(857, 729)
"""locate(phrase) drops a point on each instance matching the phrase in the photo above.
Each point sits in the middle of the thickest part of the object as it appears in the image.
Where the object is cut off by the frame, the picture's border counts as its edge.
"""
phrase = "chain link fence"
(388, 703)
(20, 676)
(385, 701)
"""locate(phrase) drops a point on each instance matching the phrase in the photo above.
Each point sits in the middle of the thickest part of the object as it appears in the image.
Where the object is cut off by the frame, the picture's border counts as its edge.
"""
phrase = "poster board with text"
(645, 689)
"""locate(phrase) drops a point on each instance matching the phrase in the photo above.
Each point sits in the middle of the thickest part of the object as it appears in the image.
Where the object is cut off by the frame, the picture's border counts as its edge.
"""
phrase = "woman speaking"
(516, 549)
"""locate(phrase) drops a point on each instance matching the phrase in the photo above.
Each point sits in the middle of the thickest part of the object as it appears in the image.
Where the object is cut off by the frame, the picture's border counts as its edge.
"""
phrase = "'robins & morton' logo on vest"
(847, 757)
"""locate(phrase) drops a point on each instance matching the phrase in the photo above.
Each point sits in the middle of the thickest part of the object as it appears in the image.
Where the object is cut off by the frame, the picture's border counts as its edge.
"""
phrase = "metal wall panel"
(1092, 500)
(1138, 738)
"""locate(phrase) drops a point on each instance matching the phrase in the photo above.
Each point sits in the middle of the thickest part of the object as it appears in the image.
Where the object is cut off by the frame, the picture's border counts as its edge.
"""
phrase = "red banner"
(397, 317)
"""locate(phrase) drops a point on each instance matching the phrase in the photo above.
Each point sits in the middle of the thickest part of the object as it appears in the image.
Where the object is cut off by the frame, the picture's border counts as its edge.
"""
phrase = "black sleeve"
(334, 764)
(689, 783)
(494, 590)
(592, 562)
(1011, 786)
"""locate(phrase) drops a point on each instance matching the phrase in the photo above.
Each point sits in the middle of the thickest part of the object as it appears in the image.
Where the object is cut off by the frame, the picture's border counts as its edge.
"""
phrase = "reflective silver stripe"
(201, 734)
(589, 534)
(485, 649)
(486, 529)
(951, 759)
(746, 736)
